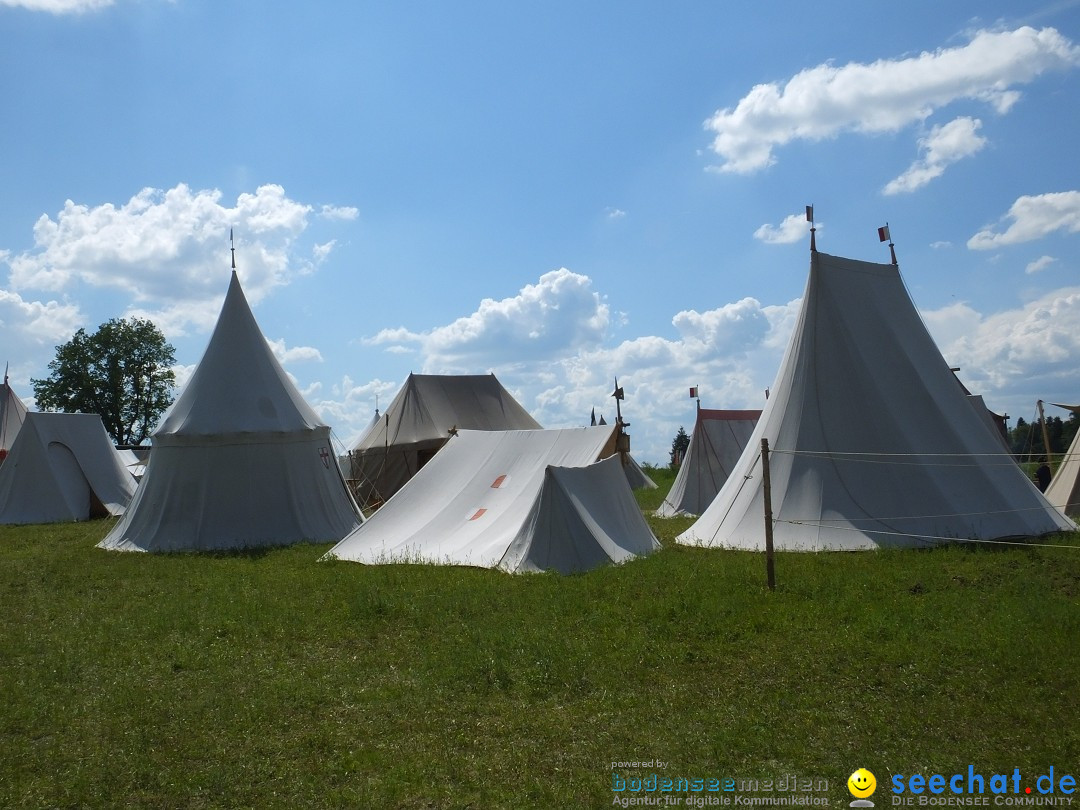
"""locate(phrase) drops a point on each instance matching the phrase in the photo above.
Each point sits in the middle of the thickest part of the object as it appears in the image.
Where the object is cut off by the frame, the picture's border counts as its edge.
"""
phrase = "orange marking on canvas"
(498, 482)
(479, 514)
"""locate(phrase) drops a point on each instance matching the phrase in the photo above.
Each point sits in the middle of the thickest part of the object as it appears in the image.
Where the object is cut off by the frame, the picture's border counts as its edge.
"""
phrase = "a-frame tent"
(240, 460)
(872, 442)
(63, 467)
(715, 446)
(1064, 489)
(520, 500)
(419, 422)
(12, 415)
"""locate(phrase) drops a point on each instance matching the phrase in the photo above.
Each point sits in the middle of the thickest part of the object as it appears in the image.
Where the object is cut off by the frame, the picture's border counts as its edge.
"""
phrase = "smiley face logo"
(861, 783)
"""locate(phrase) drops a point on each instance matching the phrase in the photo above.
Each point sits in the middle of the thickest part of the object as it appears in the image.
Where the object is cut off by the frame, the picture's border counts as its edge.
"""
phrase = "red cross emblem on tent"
(324, 454)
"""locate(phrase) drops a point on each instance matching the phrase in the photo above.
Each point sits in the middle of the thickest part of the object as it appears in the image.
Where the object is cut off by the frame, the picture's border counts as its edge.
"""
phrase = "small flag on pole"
(593, 418)
(883, 234)
(693, 392)
(809, 213)
(618, 393)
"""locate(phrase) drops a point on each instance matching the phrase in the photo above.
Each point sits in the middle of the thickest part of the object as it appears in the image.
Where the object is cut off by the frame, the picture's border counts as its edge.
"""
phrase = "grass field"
(268, 679)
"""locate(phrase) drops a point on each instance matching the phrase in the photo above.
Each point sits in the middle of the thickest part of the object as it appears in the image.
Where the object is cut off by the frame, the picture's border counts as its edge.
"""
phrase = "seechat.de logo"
(861, 784)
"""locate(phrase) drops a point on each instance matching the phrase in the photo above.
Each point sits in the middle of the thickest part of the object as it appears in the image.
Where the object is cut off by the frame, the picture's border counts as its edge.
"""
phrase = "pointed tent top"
(238, 386)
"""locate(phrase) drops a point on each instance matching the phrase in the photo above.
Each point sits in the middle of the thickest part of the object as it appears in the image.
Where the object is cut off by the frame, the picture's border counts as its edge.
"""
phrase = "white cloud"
(297, 354)
(1033, 217)
(614, 213)
(884, 96)
(1016, 356)
(59, 6)
(792, 229)
(29, 326)
(338, 212)
(169, 250)
(1040, 263)
(559, 313)
(941, 148)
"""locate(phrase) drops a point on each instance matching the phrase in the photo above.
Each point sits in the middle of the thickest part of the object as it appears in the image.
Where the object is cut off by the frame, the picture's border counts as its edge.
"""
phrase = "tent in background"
(418, 423)
(519, 500)
(240, 460)
(62, 467)
(715, 446)
(872, 441)
(12, 415)
(1064, 489)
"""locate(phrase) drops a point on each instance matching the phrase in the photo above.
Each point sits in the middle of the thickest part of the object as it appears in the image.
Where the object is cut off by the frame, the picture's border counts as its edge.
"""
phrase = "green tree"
(678, 447)
(122, 372)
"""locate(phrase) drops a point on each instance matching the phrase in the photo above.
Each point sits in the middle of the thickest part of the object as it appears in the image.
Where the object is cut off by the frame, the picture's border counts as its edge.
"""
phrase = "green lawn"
(269, 679)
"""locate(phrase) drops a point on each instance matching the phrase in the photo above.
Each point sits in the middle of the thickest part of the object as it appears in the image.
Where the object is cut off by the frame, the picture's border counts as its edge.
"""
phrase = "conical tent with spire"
(240, 460)
(872, 442)
(12, 415)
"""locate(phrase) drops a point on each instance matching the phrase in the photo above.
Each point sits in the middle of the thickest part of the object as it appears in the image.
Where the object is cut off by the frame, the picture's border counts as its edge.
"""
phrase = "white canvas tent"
(715, 446)
(240, 460)
(12, 415)
(418, 423)
(1064, 489)
(873, 442)
(520, 500)
(62, 467)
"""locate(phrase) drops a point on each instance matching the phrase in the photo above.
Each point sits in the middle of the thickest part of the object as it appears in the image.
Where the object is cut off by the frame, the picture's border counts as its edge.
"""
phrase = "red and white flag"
(809, 213)
(883, 234)
(693, 392)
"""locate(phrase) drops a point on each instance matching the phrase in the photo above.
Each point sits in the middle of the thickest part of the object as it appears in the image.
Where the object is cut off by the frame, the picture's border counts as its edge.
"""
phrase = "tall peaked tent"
(872, 441)
(63, 467)
(715, 446)
(240, 460)
(1064, 489)
(12, 415)
(520, 500)
(418, 422)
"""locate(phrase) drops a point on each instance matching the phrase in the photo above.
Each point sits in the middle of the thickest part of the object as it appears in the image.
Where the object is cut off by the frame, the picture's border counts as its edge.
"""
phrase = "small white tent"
(62, 467)
(418, 423)
(715, 446)
(520, 500)
(240, 460)
(12, 415)
(872, 441)
(1064, 489)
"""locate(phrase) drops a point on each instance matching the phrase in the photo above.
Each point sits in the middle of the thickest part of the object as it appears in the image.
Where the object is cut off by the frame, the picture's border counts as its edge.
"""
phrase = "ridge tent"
(240, 460)
(519, 500)
(12, 415)
(1064, 489)
(63, 467)
(715, 446)
(418, 422)
(872, 442)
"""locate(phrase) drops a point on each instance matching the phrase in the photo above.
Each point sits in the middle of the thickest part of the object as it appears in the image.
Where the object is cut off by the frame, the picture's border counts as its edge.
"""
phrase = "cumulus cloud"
(59, 6)
(35, 323)
(297, 354)
(1016, 356)
(161, 247)
(792, 229)
(614, 213)
(941, 148)
(1033, 217)
(884, 96)
(1040, 263)
(559, 313)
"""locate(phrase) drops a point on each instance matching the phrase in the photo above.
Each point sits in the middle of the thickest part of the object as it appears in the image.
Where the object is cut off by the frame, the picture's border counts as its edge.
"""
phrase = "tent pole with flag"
(813, 230)
(883, 235)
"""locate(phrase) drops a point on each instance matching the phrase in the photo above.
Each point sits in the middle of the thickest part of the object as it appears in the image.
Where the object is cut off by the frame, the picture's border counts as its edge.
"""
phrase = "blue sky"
(556, 192)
